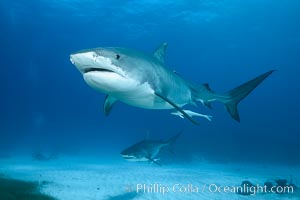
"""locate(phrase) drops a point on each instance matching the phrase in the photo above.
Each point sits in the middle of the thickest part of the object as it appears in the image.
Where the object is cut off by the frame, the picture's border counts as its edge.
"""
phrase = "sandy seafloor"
(92, 178)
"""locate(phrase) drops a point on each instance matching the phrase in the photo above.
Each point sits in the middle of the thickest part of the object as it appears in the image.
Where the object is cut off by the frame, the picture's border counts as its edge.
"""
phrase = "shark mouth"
(128, 157)
(131, 158)
(93, 69)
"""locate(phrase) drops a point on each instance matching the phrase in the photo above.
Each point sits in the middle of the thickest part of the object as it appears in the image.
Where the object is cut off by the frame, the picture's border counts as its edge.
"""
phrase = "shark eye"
(117, 56)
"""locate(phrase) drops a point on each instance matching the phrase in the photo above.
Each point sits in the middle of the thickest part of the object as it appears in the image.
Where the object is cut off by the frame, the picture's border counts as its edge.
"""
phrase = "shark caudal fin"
(234, 96)
(172, 139)
(170, 142)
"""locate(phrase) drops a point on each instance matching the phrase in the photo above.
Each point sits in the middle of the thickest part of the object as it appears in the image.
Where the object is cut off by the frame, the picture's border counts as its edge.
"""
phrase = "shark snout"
(126, 155)
(72, 59)
(82, 61)
(76, 59)
(123, 153)
(89, 61)
(79, 58)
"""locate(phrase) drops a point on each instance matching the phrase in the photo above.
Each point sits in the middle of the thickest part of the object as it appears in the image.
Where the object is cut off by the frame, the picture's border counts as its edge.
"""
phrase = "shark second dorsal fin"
(160, 52)
(206, 86)
(108, 104)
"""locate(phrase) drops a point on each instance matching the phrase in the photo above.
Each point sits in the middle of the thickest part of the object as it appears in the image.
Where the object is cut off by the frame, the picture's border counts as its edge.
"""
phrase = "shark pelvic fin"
(176, 107)
(191, 113)
(160, 52)
(108, 104)
(207, 104)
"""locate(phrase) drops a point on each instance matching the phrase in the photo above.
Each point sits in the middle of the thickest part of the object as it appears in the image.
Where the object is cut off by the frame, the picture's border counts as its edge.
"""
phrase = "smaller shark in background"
(147, 150)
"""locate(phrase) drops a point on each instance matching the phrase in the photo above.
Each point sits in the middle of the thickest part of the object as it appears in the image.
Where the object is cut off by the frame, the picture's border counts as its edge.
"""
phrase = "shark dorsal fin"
(160, 52)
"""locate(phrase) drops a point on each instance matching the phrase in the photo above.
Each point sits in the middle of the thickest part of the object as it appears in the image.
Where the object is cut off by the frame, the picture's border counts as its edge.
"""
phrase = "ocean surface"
(47, 107)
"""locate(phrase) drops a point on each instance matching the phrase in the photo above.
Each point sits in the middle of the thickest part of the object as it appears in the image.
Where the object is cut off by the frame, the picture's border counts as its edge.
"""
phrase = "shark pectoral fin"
(154, 161)
(160, 52)
(191, 113)
(176, 107)
(108, 104)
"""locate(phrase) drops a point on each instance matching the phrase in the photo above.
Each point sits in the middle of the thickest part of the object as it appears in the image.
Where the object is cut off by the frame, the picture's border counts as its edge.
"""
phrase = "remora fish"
(143, 80)
(147, 150)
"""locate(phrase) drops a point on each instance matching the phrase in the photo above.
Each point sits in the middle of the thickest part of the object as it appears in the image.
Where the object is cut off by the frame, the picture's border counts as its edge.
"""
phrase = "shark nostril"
(95, 56)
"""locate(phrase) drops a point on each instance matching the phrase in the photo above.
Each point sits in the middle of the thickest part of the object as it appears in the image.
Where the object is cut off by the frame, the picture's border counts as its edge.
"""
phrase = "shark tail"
(169, 143)
(234, 96)
(231, 98)
(173, 139)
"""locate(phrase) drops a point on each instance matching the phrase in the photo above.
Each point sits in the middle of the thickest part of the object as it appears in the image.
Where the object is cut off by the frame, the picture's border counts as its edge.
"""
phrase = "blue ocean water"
(46, 103)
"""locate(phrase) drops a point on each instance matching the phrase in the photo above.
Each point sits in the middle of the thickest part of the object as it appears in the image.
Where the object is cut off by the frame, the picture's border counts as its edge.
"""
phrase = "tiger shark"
(147, 150)
(143, 80)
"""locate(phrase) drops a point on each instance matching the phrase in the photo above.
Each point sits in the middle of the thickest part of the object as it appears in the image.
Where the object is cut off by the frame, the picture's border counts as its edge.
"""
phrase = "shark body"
(143, 80)
(147, 150)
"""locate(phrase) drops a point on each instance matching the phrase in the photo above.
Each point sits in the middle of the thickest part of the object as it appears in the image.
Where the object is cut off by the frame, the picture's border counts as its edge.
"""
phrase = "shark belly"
(129, 91)
(137, 159)
(142, 96)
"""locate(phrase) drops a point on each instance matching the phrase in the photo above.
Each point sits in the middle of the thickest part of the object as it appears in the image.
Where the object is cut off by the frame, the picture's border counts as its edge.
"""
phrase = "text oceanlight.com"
(211, 188)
